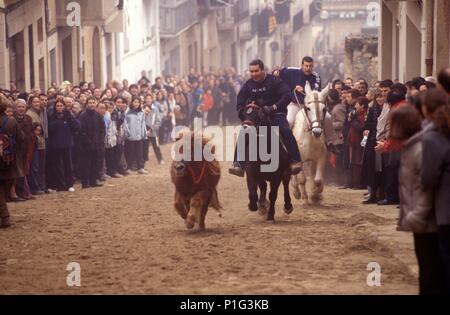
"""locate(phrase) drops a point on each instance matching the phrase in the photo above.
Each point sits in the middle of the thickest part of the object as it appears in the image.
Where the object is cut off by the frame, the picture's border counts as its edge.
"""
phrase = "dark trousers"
(391, 177)
(76, 161)
(376, 184)
(145, 149)
(289, 141)
(112, 159)
(444, 247)
(101, 162)
(61, 175)
(153, 141)
(35, 176)
(431, 268)
(134, 154)
(5, 187)
(122, 164)
(22, 188)
(44, 168)
(89, 170)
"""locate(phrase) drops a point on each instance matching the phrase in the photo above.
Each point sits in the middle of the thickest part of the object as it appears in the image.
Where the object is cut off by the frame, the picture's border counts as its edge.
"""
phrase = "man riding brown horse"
(274, 96)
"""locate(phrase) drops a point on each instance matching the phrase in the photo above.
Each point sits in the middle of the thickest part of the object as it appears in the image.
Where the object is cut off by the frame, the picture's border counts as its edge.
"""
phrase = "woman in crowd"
(166, 123)
(135, 132)
(36, 173)
(207, 106)
(111, 152)
(181, 110)
(153, 120)
(24, 150)
(369, 175)
(62, 128)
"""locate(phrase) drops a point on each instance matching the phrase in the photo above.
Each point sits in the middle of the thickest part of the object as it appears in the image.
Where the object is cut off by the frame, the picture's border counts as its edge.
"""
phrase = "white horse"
(309, 132)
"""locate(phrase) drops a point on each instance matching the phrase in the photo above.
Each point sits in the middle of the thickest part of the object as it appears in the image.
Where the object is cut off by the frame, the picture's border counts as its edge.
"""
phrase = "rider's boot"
(237, 170)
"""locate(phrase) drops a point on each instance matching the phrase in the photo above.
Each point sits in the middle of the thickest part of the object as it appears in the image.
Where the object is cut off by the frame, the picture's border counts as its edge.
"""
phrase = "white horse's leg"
(318, 179)
(296, 189)
(302, 181)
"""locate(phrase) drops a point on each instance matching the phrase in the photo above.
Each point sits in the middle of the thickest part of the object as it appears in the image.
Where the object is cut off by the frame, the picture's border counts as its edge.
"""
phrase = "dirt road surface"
(128, 240)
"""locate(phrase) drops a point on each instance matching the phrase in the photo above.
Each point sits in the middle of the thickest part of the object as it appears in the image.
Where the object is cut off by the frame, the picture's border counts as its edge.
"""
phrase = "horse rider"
(296, 79)
(275, 97)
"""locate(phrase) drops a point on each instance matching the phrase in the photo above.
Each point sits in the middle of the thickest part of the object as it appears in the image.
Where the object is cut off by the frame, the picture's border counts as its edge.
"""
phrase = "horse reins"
(303, 110)
(202, 173)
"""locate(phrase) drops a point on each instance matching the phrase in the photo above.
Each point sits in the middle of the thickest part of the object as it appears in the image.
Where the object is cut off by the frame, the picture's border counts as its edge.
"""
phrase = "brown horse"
(196, 186)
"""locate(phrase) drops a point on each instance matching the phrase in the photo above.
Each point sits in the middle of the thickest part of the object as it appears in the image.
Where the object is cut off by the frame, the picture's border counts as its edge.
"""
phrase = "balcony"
(225, 19)
(93, 12)
(248, 28)
(176, 16)
(241, 10)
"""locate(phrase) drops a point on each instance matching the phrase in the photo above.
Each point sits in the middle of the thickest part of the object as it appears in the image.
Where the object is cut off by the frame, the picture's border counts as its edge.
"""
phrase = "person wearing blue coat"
(62, 127)
(135, 131)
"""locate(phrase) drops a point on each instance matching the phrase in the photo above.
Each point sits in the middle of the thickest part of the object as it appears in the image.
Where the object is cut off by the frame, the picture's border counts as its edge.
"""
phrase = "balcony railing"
(176, 15)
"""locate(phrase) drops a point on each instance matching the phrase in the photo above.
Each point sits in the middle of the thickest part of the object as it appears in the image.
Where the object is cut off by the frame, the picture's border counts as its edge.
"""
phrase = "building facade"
(54, 40)
(414, 38)
(138, 47)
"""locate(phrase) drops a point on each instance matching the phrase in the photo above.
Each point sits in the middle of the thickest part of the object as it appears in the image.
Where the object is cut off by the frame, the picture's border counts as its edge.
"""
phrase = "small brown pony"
(196, 185)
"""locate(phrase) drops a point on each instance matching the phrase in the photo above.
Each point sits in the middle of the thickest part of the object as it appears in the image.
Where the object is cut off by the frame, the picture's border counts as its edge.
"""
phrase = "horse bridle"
(251, 106)
(316, 105)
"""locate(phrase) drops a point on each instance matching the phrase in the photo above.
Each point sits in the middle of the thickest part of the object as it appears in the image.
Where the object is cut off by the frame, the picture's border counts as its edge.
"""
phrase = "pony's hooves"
(253, 208)
(297, 195)
(270, 221)
(262, 209)
(190, 224)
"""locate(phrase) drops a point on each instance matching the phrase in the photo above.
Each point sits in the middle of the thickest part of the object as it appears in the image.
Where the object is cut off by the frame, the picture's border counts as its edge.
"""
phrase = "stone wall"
(361, 57)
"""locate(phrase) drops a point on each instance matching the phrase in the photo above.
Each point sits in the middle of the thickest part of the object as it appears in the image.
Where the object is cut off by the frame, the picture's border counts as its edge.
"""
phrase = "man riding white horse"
(273, 96)
(296, 79)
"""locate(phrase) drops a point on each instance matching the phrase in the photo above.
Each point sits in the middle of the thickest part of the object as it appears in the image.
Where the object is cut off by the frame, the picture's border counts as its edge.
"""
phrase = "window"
(40, 25)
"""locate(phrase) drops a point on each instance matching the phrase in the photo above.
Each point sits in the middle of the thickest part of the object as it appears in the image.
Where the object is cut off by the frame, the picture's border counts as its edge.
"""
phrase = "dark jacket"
(92, 131)
(436, 171)
(369, 160)
(296, 76)
(354, 138)
(62, 128)
(24, 150)
(13, 130)
(416, 204)
(268, 92)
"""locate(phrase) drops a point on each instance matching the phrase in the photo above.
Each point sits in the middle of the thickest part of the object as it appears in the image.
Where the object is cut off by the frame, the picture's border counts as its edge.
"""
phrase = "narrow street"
(128, 239)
